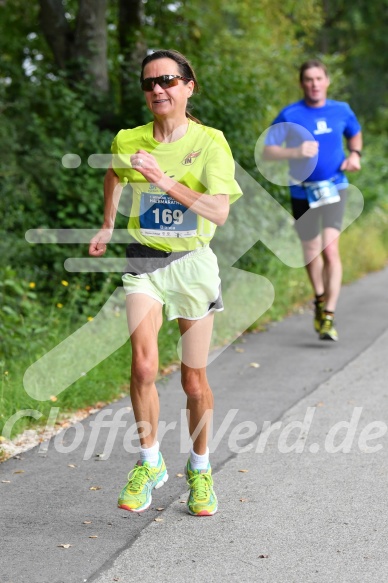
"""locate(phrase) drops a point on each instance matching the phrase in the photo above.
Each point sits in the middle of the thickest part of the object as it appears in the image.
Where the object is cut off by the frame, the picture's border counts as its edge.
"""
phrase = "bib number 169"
(168, 216)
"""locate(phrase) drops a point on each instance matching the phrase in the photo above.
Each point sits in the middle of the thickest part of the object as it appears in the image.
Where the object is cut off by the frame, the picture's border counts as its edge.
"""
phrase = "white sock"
(199, 462)
(150, 454)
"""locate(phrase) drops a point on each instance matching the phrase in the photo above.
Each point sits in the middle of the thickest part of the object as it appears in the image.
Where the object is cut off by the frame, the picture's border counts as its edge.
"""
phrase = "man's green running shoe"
(319, 307)
(136, 495)
(202, 500)
(327, 331)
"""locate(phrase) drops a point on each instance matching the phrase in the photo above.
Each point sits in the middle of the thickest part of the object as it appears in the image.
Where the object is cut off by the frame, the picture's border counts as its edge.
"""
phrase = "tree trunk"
(56, 30)
(133, 50)
(91, 42)
(83, 51)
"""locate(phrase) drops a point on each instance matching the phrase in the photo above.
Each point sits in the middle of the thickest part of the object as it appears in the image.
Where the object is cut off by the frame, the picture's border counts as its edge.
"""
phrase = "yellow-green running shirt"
(201, 160)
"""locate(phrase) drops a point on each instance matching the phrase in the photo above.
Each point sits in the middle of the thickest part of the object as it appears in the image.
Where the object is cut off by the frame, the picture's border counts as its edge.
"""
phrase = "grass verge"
(364, 248)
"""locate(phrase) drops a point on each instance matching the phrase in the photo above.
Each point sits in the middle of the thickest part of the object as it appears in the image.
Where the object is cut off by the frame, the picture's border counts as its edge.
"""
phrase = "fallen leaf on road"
(64, 546)
(243, 499)
(179, 475)
(95, 488)
(254, 365)
(71, 466)
(160, 509)
(87, 522)
(158, 519)
(5, 481)
(240, 350)
(18, 472)
(263, 556)
(243, 471)
(93, 536)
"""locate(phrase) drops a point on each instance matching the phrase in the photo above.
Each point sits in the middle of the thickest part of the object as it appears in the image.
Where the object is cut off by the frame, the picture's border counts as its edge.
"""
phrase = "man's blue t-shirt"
(327, 125)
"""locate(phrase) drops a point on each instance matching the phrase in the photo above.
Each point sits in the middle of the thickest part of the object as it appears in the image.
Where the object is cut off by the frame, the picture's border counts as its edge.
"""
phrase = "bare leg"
(314, 264)
(144, 322)
(196, 335)
(332, 267)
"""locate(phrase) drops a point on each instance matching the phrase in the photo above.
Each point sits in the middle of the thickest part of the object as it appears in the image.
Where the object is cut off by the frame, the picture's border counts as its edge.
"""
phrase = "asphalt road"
(314, 516)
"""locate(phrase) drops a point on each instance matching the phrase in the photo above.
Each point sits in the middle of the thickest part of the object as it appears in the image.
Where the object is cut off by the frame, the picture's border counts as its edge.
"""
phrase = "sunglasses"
(164, 81)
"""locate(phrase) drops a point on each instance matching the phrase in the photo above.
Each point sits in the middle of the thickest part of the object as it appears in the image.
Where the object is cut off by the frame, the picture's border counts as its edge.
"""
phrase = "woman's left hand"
(146, 164)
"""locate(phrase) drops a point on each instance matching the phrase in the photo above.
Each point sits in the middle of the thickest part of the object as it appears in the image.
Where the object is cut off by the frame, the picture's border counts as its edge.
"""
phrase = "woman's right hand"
(97, 246)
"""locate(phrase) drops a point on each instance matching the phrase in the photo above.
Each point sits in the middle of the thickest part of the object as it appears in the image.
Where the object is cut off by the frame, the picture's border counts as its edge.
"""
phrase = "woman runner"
(182, 177)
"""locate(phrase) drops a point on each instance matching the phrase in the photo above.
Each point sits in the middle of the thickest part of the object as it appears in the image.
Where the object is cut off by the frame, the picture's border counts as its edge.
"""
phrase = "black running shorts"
(309, 226)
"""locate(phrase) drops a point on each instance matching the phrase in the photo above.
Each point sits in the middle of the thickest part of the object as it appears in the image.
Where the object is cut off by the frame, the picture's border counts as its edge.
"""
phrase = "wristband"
(357, 152)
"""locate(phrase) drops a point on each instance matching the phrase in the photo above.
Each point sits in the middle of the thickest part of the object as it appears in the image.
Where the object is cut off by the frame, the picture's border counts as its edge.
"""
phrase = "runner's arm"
(307, 149)
(213, 207)
(353, 162)
(112, 193)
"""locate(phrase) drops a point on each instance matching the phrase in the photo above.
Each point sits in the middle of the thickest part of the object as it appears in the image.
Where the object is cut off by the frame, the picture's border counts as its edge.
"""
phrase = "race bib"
(163, 216)
(321, 193)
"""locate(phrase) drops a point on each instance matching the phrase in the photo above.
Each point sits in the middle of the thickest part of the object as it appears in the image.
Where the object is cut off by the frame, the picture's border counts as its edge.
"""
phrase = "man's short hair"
(309, 65)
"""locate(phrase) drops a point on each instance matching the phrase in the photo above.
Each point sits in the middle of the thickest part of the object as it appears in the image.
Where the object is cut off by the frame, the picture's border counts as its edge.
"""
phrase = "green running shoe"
(202, 500)
(319, 307)
(136, 495)
(327, 331)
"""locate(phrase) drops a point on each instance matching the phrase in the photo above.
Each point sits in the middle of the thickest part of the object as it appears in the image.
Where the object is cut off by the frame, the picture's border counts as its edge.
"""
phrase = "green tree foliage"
(357, 29)
(246, 54)
(68, 87)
